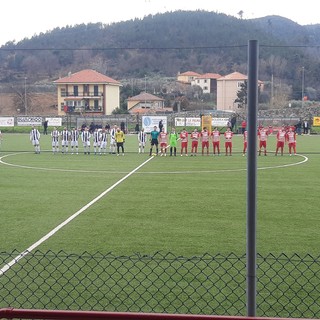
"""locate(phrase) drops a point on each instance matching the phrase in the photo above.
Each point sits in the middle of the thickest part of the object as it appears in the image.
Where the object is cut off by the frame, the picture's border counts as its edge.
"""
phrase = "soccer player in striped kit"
(245, 142)
(215, 136)
(281, 138)
(291, 138)
(228, 141)
(35, 139)
(205, 140)
(163, 139)
(195, 135)
(184, 142)
(263, 136)
(113, 143)
(74, 137)
(103, 141)
(85, 138)
(65, 135)
(96, 140)
(55, 140)
(142, 139)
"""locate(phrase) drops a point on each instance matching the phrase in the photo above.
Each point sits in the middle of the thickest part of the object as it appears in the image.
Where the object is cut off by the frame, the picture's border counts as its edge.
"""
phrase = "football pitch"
(184, 205)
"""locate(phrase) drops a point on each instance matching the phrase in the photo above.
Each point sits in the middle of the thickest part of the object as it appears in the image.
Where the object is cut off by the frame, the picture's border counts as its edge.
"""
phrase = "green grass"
(188, 206)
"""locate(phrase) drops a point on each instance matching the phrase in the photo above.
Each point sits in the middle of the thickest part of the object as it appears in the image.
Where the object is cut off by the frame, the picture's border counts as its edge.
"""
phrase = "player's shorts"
(216, 144)
(228, 144)
(35, 142)
(55, 143)
(64, 143)
(103, 144)
(74, 143)
(154, 142)
(194, 144)
(292, 144)
(142, 144)
(86, 144)
(112, 141)
(280, 144)
(163, 145)
(96, 144)
(205, 144)
(184, 145)
(263, 144)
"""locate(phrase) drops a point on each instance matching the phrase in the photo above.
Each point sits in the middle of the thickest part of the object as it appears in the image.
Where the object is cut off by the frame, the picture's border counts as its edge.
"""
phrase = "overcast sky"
(26, 18)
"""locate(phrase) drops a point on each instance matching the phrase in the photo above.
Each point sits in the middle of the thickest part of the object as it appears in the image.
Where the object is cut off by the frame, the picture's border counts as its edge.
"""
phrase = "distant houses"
(90, 92)
(225, 87)
(146, 103)
(87, 92)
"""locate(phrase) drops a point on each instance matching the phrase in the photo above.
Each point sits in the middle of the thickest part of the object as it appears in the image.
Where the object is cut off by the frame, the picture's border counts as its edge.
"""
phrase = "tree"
(242, 95)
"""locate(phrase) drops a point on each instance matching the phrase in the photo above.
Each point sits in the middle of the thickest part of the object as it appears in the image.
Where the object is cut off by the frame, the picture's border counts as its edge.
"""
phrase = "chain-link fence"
(287, 286)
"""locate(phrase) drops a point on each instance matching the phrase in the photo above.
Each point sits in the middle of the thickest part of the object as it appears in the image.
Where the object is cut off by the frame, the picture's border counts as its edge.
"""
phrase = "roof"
(234, 76)
(150, 110)
(190, 73)
(87, 76)
(145, 96)
(209, 76)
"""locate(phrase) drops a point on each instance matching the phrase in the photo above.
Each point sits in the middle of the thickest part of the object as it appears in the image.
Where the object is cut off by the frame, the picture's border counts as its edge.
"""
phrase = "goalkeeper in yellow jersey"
(120, 139)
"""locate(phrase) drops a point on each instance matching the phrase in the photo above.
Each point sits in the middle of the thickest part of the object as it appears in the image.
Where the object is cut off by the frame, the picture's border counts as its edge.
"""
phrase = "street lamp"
(25, 95)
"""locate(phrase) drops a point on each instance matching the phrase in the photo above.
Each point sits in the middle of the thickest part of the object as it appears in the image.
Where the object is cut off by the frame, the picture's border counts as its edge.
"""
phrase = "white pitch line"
(64, 223)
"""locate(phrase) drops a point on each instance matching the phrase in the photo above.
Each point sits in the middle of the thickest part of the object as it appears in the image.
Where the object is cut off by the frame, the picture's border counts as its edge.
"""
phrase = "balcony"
(84, 95)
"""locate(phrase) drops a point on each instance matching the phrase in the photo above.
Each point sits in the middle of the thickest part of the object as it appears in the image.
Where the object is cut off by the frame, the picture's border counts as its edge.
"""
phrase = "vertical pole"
(302, 88)
(252, 175)
(25, 95)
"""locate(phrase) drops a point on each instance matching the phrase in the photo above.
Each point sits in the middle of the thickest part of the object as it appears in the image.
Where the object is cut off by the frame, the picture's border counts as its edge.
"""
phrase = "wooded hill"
(165, 44)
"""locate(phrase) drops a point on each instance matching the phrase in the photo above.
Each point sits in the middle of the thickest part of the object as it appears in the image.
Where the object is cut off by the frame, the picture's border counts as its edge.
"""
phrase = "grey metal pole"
(252, 175)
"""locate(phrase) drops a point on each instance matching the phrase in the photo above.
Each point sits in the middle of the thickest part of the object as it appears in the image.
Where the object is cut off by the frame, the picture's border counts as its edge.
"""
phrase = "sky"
(23, 19)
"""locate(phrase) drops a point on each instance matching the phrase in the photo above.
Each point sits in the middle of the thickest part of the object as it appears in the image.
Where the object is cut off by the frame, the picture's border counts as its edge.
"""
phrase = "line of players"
(99, 139)
(203, 136)
(284, 135)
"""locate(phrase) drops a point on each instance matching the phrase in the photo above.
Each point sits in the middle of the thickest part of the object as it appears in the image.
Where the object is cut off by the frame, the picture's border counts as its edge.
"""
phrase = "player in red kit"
(245, 142)
(205, 140)
(228, 141)
(263, 136)
(281, 138)
(215, 136)
(194, 142)
(184, 142)
(163, 143)
(291, 138)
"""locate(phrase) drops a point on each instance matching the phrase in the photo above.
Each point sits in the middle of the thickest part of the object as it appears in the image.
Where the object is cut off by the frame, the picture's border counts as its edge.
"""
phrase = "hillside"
(164, 44)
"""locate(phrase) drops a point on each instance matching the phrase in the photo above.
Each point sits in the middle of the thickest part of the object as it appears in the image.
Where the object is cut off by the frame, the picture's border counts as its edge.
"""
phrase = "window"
(63, 92)
(85, 89)
(96, 90)
(75, 91)
(239, 84)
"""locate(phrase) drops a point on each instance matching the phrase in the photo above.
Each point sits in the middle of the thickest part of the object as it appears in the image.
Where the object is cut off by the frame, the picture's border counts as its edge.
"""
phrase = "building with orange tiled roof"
(146, 103)
(87, 92)
(187, 77)
(227, 89)
(207, 82)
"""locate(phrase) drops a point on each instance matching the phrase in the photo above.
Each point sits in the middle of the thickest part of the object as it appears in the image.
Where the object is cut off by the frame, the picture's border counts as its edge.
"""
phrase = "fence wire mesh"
(287, 286)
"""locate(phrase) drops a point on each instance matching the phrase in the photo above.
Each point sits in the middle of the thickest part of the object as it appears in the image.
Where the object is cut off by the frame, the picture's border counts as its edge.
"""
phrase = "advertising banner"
(54, 122)
(29, 121)
(148, 122)
(6, 121)
(316, 121)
